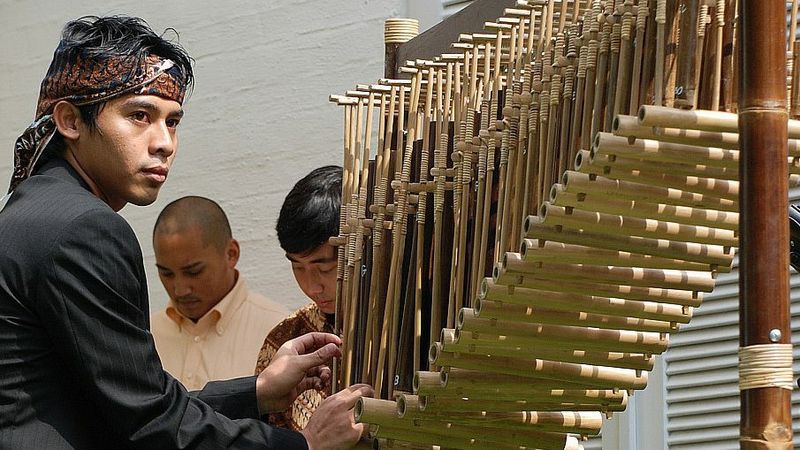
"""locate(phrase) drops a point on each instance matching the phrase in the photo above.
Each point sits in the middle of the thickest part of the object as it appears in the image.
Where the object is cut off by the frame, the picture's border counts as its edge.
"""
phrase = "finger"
(309, 383)
(362, 429)
(317, 358)
(314, 340)
(351, 395)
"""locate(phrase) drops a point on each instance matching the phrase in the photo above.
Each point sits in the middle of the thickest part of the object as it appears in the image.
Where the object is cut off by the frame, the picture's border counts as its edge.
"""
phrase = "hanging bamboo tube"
(482, 169)
(642, 13)
(626, 64)
(661, 43)
(427, 116)
(615, 46)
(439, 200)
(399, 228)
(379, 211)
(602, 74)
(766, 419)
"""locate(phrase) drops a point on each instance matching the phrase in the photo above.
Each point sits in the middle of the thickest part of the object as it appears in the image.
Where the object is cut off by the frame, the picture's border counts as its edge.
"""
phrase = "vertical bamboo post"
(766, 421)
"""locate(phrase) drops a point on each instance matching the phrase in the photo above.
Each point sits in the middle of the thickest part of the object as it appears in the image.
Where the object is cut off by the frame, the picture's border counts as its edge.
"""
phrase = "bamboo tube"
(391, 444)
(526, 389)
(611, 223)
(652, 174)
(504, 186)
(623, 81)
(571, 337)
(615, 46)
(580, 422)
(454, 435)
(590, 94)
(529, 391)
(580, 87)
(566, 301)
(794, 100)
(685, 88)
(376, 282)
(534, 281)
(522, 101)
(634, 208)
(529, 314)
(486, 204)
(554, 251)
(565, 156)
(445, 406)
(511, 349)
(764, 311)
(422, 211)
(398, 245)
(465, 379)
(629, 126)
(441, 165)
(602, 69)
(373, 410)
(608, 144)
(714, 256)
(642, 13)
(670, 279)
(716, 83)
(661, 43)
(699, 120)
(594, 375)
(582, 183)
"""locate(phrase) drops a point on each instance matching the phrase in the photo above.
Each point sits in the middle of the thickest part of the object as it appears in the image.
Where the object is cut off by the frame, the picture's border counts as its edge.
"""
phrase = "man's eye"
(139, 116)
(173, 123)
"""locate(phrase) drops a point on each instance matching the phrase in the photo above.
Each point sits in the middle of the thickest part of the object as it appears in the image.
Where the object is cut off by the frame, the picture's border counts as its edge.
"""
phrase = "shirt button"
(197, 338)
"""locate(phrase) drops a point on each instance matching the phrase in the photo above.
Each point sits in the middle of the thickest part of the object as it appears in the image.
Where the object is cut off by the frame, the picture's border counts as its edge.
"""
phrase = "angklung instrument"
(527, 217)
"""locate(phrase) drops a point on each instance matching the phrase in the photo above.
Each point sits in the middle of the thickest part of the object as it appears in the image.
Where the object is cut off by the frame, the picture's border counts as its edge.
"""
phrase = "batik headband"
(90, 81)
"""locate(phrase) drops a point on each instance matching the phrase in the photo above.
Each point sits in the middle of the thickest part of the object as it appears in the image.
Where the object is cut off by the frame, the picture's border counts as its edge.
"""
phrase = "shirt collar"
(220, 315)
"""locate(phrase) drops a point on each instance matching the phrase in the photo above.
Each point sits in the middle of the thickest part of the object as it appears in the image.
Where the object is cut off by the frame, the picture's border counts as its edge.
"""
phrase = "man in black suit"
(78, 368)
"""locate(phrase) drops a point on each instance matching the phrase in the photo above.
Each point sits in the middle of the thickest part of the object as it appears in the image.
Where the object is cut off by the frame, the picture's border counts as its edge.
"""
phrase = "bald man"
(213, 327)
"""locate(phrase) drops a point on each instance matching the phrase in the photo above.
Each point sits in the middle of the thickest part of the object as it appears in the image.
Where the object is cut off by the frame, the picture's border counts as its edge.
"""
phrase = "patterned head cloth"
(88, 81)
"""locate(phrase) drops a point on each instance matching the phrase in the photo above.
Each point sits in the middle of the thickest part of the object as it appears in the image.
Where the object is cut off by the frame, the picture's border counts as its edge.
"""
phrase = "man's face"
(195, 275)
(128, 156)
(315, 272)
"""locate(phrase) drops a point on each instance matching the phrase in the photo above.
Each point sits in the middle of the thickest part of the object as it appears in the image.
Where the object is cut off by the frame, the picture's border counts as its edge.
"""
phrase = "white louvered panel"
(702, 399)
(450, 7)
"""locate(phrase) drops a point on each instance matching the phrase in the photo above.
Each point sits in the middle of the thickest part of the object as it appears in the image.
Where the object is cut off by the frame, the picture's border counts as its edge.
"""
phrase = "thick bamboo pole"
(766, 419)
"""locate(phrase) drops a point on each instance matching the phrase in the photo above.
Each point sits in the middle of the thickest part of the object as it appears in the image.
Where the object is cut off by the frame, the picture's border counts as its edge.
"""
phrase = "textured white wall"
(258, 120)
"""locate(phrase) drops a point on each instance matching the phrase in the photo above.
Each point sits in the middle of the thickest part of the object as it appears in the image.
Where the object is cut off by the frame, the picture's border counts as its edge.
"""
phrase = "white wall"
(258, 120)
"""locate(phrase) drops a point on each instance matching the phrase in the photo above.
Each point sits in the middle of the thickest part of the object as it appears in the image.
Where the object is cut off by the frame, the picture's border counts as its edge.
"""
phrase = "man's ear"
(68, 120)
(232, 252)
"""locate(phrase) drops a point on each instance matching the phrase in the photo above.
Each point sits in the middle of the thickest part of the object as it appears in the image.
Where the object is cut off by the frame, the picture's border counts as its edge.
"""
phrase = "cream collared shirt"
(223, 344)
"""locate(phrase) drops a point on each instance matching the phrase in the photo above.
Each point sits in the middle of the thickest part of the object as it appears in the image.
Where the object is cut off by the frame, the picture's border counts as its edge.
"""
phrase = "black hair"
(190, 211)
(109, 37)
(310, 212)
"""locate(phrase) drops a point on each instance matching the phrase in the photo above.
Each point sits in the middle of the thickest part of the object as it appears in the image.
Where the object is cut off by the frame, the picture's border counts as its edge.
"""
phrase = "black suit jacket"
(78, 367)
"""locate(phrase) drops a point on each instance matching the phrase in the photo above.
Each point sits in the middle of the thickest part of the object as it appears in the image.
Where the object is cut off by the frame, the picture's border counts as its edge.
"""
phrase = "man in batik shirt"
(308, 218)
